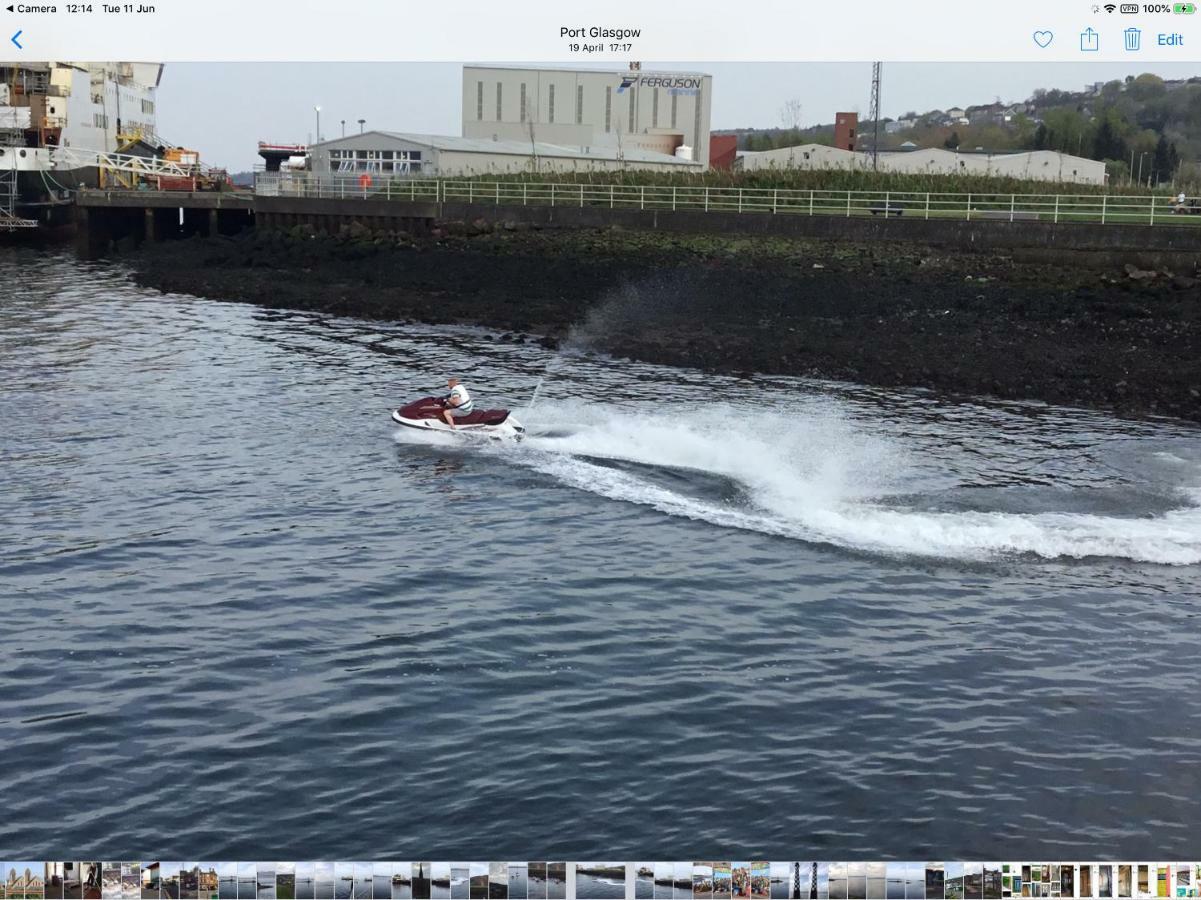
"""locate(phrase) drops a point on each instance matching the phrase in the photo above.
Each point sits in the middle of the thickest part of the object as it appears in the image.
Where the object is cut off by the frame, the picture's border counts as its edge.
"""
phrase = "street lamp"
(362, 122)
(1140, 166)
(317, 110)
(343, 128)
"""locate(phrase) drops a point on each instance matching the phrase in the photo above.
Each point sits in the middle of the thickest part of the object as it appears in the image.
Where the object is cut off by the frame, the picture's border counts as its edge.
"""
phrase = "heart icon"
(1043, 38)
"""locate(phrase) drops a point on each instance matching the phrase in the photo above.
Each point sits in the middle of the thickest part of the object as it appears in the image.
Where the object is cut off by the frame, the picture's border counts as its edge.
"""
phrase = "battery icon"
(1184, 9)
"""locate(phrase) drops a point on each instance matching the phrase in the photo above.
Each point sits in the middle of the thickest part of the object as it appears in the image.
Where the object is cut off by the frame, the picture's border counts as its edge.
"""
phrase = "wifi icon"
(1110, 7)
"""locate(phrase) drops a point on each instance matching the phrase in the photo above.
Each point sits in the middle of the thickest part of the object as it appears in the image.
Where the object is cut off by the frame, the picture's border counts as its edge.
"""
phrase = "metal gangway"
(125, 169)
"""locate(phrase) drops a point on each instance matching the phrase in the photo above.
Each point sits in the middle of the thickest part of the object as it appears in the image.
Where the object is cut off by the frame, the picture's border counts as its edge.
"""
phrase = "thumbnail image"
(877, 880)
(131, 880)
(1125, 881)
(227, 880)
(665, 879)
(264, 880)
(644, 881)
(537, 880)
(1105, 881)
(740, 880)
(149, 887)
(381, 880)
(479, 881)
(760, 881)
(189, 881)
(402, 881)
(323, 881)
(361, 885)
(857, 880)
(343, 880)
(556, 881)
(518, 881)
(992, 880)
(421, 881)
(681, 884)
(52, 881)
(93, 878)
(973, 880)
(895, 873)
(1088, 880)
(285, 881)
(460, 882)
(72, 880)
(823, 881)
(169, 873)
(838, 881)
(723, 881)
(605, 880)
(1144, 880)
(208, 881)
(498, 880)
(953, 881)
(440, 881)
(306, 882)
(702, 880)
(934, 875)
(248, 880)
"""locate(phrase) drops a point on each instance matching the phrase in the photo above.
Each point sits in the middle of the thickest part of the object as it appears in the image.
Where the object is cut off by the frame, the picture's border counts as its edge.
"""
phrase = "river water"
(691, 614)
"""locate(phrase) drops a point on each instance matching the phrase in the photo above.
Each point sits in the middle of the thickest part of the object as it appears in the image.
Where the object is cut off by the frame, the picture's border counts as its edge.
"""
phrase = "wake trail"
(818, 478)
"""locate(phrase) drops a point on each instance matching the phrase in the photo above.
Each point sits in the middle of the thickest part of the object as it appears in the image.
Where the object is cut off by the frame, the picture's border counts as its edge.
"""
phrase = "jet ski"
(426, 414)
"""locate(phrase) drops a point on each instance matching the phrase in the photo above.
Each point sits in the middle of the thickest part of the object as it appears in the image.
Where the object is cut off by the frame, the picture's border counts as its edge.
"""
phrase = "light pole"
(317, 110)
(1140, 166)
(362, 122)
(343, 128)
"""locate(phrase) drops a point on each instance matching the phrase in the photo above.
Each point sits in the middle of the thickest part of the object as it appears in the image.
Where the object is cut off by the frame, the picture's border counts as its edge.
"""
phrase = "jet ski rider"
(457, 402)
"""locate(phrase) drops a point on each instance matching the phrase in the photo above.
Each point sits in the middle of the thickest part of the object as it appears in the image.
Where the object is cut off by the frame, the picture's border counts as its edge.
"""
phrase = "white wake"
(818, 478)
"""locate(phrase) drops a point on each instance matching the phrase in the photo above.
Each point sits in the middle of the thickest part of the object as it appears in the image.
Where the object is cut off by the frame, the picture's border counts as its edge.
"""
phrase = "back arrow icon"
(15, 41)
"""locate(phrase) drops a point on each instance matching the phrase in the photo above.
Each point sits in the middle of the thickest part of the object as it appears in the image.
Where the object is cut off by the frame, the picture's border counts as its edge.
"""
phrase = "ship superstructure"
(57, 121)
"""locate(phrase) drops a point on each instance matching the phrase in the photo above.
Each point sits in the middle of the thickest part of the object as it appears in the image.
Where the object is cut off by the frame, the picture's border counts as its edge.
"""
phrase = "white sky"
(224, 109)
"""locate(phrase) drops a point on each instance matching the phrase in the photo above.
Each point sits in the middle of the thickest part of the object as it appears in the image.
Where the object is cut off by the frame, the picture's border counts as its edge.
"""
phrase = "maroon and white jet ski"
(426, 414)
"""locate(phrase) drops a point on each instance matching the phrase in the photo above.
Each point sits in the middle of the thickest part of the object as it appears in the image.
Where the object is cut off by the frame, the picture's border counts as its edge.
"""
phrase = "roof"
(515, 148)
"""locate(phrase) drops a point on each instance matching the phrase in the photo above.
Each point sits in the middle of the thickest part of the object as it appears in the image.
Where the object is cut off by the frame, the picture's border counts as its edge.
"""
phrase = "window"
(498, 108)
(148, 107)
(675, 98)
(100, 120)
(551, 108)
(579, 104)
(632, 91)
(479, 101)
(522, 110)
(608, 108)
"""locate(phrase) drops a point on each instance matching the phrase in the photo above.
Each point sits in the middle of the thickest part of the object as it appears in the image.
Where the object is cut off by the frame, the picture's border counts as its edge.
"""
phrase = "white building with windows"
(593, 109)
(390, 154)
(1036, 165)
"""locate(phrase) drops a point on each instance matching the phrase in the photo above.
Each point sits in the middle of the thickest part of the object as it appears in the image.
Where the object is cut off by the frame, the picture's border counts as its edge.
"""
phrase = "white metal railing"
(74, 158)
(1055, 208)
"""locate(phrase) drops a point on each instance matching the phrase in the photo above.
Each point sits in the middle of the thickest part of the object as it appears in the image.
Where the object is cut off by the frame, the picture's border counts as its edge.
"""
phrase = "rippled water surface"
(243, 614)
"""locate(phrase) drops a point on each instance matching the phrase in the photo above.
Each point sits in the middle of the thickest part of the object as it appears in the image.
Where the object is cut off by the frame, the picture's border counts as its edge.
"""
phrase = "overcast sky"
(224, 109)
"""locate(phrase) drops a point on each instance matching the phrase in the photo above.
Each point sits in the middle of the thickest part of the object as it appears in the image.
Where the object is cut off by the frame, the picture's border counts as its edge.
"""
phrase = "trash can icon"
(1134, 38)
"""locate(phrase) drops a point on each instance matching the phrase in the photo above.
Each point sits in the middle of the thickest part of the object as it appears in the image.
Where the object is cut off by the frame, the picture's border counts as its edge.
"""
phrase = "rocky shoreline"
(883, 314)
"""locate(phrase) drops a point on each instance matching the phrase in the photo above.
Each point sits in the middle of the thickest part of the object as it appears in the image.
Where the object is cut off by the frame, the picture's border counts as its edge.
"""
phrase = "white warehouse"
(1038, 165)
(614, 109)
(389, 154)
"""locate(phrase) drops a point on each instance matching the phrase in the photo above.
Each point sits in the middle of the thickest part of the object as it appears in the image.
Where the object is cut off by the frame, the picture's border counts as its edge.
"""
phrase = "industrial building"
(613, 109)
(519, 120)
(1036, 165)
(388, 153)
